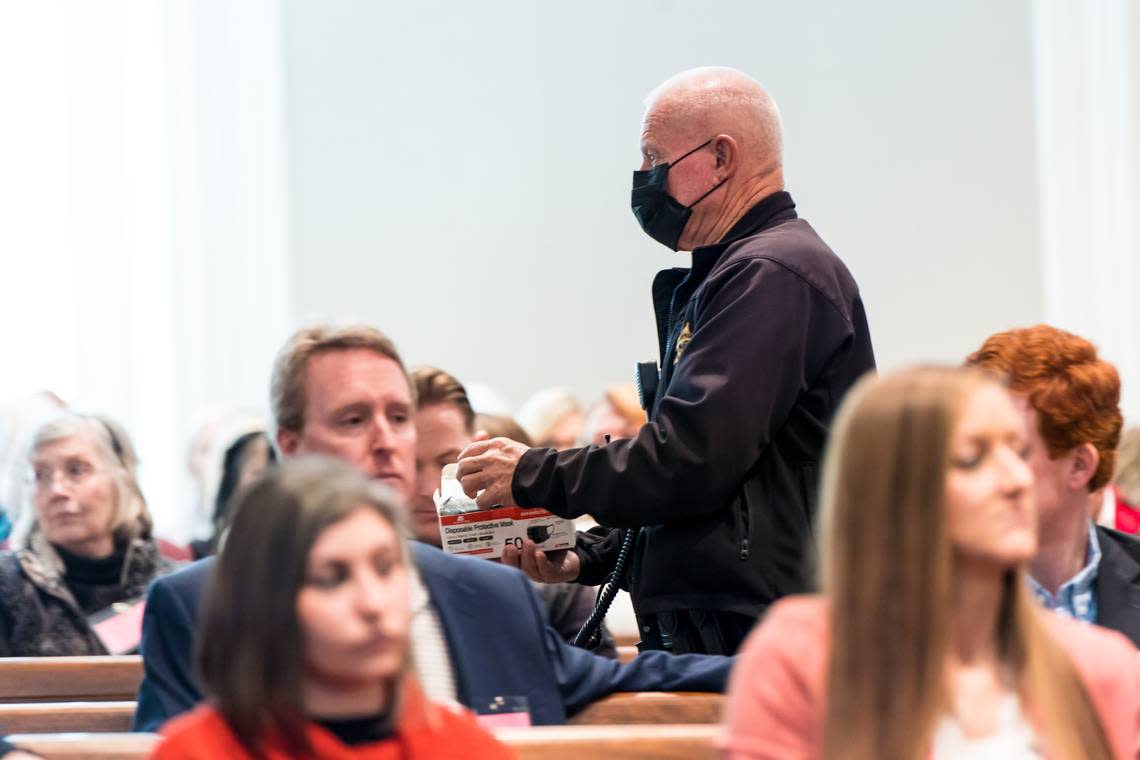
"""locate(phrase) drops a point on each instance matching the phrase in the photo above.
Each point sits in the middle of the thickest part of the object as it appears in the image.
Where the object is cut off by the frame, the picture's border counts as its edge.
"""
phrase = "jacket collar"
(44, 567)
(778, 206)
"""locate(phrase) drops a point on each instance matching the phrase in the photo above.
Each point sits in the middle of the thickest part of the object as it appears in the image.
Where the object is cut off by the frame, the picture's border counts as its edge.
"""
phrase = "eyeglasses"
(74, 473)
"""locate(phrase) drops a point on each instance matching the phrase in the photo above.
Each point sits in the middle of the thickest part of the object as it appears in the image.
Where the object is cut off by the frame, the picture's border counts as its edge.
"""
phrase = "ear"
(726, 152)
(287, 441)
(1085, 460)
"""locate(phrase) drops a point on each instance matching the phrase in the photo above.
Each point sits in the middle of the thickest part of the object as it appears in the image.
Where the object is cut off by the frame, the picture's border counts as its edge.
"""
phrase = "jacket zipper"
(744, 524)
(668, 338)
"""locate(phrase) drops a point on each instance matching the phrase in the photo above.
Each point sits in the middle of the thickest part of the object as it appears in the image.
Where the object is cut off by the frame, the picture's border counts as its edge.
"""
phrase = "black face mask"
(661, 216)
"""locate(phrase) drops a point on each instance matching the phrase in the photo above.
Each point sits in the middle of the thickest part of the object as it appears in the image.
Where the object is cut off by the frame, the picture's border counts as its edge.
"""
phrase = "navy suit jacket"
(1118, 583)
(497, 637)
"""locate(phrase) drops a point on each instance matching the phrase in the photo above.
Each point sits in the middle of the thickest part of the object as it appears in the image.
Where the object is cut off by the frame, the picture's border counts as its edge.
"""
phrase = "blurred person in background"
(552, 418)
(18, 420)
(1069, 399)
(617, 415)
(501, 426)
(305, 645)
(445, 425)
(89, 546)
(926, 641)
(1120, 504)
(243, 462)
(216, 432)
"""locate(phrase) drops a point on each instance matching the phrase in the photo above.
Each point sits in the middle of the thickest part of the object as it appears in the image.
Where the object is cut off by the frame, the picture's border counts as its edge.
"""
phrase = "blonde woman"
(925, 640)
(86, 557)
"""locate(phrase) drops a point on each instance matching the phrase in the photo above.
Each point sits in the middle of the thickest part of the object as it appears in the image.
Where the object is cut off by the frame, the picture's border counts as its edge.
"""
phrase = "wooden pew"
(652, 707)
(635, 708)
(66, 679)
(49, 717)
(87, 746)
(612, 742)
(539, 743)
(626, 639)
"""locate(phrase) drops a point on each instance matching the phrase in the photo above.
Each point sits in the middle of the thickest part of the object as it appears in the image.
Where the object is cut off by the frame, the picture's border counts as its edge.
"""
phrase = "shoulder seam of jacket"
(758, 256)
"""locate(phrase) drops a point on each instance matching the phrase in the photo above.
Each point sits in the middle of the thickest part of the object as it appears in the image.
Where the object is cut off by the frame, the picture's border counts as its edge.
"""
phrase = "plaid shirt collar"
(1075, 598)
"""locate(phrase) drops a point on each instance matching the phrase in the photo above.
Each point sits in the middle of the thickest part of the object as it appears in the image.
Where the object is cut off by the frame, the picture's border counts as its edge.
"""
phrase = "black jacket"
(1118, 583)
(759, 342)
(39, 615)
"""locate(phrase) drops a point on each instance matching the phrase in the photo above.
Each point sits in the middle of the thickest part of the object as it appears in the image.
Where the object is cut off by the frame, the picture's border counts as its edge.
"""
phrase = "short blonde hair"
(287, 386)
(130, 518)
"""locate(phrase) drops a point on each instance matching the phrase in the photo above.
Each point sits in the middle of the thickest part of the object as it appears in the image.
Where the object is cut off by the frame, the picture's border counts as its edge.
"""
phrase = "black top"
(759, 341)
(95, 583)
(355, 731)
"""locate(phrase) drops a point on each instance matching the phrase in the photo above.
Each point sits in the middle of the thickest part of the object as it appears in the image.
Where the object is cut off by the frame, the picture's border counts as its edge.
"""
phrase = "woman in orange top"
(925, 641)
(304, 646)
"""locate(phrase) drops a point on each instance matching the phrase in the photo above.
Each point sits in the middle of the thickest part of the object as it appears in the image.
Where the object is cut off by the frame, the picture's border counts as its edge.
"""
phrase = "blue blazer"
(497, 637)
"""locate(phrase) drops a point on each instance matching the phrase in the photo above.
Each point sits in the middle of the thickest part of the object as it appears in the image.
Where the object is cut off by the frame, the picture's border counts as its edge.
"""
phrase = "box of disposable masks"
(465, 528)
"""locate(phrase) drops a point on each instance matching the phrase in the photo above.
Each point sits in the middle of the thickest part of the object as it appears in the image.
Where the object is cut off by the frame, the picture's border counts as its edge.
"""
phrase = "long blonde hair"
(887, 576)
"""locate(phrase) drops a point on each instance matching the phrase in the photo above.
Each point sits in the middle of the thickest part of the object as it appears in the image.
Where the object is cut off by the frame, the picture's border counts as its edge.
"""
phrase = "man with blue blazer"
(478, 629)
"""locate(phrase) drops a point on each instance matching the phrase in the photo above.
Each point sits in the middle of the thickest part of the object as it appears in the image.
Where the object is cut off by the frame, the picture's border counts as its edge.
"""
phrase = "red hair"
(1075, 393)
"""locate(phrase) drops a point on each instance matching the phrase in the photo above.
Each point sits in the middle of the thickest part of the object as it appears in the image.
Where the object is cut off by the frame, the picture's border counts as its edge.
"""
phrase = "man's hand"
(558, 566)
(489, 466)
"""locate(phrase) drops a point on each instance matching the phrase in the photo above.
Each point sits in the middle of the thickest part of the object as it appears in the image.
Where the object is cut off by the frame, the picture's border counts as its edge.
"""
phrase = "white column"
(143, 254)
(1086, 71)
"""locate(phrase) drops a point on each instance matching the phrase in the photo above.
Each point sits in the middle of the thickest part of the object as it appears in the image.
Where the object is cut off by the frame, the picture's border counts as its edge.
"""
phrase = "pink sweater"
(777, 690)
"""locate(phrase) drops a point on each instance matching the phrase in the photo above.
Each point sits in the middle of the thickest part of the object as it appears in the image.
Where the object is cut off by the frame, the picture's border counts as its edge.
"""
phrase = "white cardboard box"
(485, 533)
(466, 529)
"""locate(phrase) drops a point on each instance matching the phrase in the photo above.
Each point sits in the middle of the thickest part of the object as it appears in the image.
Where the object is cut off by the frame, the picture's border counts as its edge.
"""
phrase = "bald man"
(760, 339)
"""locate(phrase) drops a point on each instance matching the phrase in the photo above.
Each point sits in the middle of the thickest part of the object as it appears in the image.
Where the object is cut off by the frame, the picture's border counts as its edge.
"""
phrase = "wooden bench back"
(612, 742)
(540, 743)
(638, 708)
(50, 717)
(65, 679)
(652, 707)
(87, 746)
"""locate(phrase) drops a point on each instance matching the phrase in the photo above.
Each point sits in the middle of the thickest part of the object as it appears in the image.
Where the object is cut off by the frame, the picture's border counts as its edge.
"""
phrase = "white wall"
(143, 243)
(1087, 80)
(460, 172)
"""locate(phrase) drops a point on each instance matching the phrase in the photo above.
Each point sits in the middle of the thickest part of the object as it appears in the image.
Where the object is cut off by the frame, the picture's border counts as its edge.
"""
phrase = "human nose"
(1017, 477)
(371, 598)
(383, 435)
(427, 480)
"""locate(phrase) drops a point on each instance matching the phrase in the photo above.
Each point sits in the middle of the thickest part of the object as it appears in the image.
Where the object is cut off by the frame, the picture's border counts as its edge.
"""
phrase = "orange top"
(424, 731)
(777, 691)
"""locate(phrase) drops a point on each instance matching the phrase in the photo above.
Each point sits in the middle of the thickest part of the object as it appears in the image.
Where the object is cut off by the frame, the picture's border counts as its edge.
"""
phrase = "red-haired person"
(1070, 400)
(1119, 506)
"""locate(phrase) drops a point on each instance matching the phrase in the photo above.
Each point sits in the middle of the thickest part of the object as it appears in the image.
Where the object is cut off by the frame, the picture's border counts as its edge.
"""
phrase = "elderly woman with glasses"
(74, 583)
